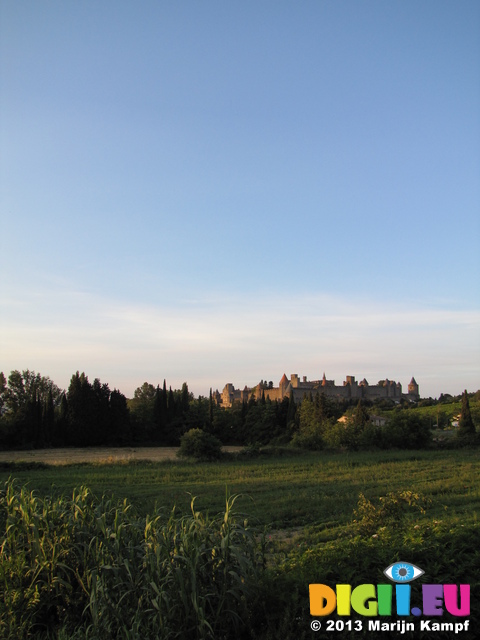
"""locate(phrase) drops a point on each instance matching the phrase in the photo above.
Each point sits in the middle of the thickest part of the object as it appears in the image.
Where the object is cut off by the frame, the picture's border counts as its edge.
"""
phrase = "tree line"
(36, 413)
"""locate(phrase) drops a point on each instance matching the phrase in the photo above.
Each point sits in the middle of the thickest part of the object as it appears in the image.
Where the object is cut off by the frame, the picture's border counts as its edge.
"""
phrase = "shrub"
(200, 445)
(405, 430)
(390, 511)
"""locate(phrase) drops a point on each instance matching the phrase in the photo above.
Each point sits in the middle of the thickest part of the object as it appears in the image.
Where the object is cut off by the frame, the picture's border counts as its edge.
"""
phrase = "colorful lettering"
(432, 599)
(361, 595)
(402, 595)
(322, 600)
(451, 600)
(372, 600)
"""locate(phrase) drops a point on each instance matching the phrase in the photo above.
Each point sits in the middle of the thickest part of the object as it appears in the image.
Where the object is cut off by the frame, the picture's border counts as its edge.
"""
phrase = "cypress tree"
(210, 409)
(120, 418)
(33, 421)
(243, 412)
(466, 427)
(165, 401)
(157, 404)
(184, 398)
(171, 405)
(360, 416)
(292, 409)
(60, 432)
(160, 414)
(82, 426)
(48, 418)
(40, 440)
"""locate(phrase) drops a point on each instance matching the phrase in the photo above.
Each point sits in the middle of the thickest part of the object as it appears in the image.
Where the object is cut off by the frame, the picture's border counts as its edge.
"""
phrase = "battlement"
(350, 389)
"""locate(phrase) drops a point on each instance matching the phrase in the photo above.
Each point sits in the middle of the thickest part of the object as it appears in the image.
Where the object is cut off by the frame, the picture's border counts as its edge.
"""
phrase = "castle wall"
(350, 389)
(349, 392)
(377, 392)
(273, 394)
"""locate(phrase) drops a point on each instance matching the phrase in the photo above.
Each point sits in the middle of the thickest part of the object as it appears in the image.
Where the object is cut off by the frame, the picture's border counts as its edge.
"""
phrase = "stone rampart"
(350, 390)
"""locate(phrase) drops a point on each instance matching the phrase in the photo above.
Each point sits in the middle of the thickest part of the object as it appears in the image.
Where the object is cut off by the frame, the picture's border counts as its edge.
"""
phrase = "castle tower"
(282, 385)
(413, 389)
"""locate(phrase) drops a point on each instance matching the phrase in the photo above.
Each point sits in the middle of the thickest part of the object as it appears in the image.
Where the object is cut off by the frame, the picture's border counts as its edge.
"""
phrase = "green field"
(279, 491)
(418, 506)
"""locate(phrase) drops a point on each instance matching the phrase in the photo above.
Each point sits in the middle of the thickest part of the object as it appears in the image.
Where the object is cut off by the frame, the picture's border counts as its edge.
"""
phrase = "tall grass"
(82, 567)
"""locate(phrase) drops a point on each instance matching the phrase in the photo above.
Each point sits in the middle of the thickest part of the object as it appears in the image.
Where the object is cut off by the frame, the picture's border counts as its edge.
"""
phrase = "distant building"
(350, 390)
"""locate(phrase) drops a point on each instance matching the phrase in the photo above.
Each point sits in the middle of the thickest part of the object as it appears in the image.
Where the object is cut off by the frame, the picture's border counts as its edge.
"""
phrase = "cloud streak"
(240, 339)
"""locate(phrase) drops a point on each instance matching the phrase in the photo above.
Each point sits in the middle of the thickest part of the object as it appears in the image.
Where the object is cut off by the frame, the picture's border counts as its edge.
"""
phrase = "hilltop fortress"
(350, 390)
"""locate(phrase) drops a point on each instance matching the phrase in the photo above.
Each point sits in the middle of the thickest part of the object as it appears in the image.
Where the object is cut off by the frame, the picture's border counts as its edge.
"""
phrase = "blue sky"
(222, 192)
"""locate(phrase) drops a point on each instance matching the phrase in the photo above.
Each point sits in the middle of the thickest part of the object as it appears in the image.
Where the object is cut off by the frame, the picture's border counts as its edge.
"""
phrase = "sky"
(218, 192)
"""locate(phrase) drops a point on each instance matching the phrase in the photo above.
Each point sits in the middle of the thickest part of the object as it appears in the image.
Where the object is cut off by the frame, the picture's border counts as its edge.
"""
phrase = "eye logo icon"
(403, 572)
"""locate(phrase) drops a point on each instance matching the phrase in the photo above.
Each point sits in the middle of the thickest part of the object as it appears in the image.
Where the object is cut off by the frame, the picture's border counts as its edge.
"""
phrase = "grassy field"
(98, 455)
(329, 517)
(287, 491)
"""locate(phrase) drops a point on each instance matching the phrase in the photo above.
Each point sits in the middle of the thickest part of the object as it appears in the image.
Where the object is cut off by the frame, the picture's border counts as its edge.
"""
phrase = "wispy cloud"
(216, 339)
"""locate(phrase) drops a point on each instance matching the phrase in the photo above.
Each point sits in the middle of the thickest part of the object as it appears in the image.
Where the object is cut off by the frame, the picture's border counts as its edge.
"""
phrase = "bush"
(406, 431)
(390, 510)
(200, 445)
